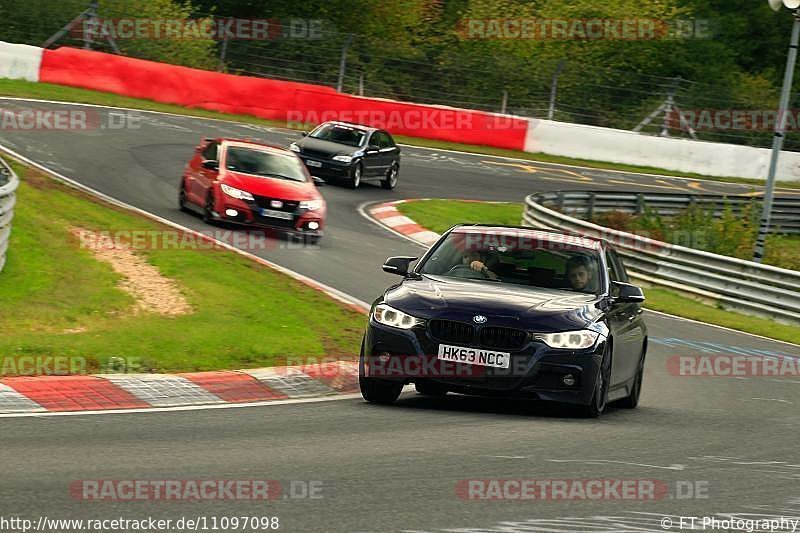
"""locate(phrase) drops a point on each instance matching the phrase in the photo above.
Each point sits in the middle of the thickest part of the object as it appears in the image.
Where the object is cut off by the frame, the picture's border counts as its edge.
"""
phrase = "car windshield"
(520, 261)
(339, 134)
(263, 163)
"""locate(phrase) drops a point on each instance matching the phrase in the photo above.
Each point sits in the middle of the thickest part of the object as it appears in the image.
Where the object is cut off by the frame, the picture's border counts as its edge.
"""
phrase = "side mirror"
(210, 164)
(319, 182)
(373, 148)
(398, 265)
(303, 134)
(626, 293)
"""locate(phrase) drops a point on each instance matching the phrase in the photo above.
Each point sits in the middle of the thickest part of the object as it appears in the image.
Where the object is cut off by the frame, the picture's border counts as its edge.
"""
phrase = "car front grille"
(492, 337)
(452, 331)
(502, 338)
(316, 154)
(289, 206)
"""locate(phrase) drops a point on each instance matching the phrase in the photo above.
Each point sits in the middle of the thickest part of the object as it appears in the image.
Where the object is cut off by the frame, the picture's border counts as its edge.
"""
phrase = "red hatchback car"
(251, 183)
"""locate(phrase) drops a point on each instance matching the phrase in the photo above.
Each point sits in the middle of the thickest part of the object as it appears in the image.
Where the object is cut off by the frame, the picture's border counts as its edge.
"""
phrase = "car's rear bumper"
(535, 371)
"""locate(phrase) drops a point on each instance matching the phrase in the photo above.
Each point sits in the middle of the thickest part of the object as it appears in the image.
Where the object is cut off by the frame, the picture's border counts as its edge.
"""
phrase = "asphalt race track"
(730, 442)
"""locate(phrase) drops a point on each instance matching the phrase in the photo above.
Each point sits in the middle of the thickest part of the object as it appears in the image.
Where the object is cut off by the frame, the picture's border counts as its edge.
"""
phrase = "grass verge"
(56, 299)
(46, 91)
(438, 215)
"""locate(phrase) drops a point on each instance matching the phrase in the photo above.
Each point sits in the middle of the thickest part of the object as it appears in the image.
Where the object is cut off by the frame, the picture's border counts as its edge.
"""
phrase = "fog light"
(232, 212)
(313, 225)
(568, 380)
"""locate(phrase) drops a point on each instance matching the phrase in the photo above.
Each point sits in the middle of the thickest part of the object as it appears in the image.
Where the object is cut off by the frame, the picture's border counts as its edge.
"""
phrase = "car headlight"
(312, 205)
(569, 340)
(233, 192)
(294, 148)
(343, 158)
(389, 316)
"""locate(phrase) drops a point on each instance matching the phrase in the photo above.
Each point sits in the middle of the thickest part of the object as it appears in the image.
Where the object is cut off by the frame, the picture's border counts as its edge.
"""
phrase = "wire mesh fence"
(561, 89)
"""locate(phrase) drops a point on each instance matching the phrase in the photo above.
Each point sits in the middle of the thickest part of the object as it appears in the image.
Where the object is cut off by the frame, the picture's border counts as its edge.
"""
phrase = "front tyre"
(391, 177)
(182, 197)
(355, 176)
(208, 209)
(311, 239)
(374, 390)
(631, 401)
(599, 401)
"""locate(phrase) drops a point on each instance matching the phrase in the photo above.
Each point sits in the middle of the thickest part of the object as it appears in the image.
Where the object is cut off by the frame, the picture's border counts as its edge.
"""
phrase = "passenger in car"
(580, 274)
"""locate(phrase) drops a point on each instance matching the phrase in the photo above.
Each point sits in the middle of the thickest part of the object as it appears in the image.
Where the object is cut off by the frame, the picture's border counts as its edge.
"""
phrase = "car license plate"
(315, 164)
(276, 214)
(474, 356)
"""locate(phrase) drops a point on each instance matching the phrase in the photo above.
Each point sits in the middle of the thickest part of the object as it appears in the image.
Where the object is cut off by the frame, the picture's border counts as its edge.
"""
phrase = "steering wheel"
(464, 271)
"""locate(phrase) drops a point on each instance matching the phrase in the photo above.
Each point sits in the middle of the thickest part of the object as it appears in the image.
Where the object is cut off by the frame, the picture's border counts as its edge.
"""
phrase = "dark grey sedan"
(353, 153)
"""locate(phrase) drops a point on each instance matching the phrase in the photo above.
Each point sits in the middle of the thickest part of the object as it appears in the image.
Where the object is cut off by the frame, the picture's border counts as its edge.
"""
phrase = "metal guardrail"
(753, 288)
(585, 204)
(8, 184)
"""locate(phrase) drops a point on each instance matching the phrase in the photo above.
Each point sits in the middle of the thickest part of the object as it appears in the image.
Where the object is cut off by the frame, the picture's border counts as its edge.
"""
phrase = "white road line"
(722, 327)
(604, 461)
(772, 400)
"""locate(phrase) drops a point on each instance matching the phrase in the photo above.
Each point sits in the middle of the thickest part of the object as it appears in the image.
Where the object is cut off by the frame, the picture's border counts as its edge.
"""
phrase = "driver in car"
(477, 262)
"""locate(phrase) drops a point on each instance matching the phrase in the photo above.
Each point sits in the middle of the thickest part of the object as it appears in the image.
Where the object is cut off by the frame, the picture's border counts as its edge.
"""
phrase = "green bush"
(732, 232)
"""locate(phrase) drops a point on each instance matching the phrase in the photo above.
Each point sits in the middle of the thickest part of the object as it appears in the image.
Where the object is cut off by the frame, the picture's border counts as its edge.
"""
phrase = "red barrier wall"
(274, 99)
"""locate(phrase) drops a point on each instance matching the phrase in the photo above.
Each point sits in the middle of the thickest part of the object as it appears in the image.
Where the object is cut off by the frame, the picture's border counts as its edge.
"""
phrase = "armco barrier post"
(8, 185)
